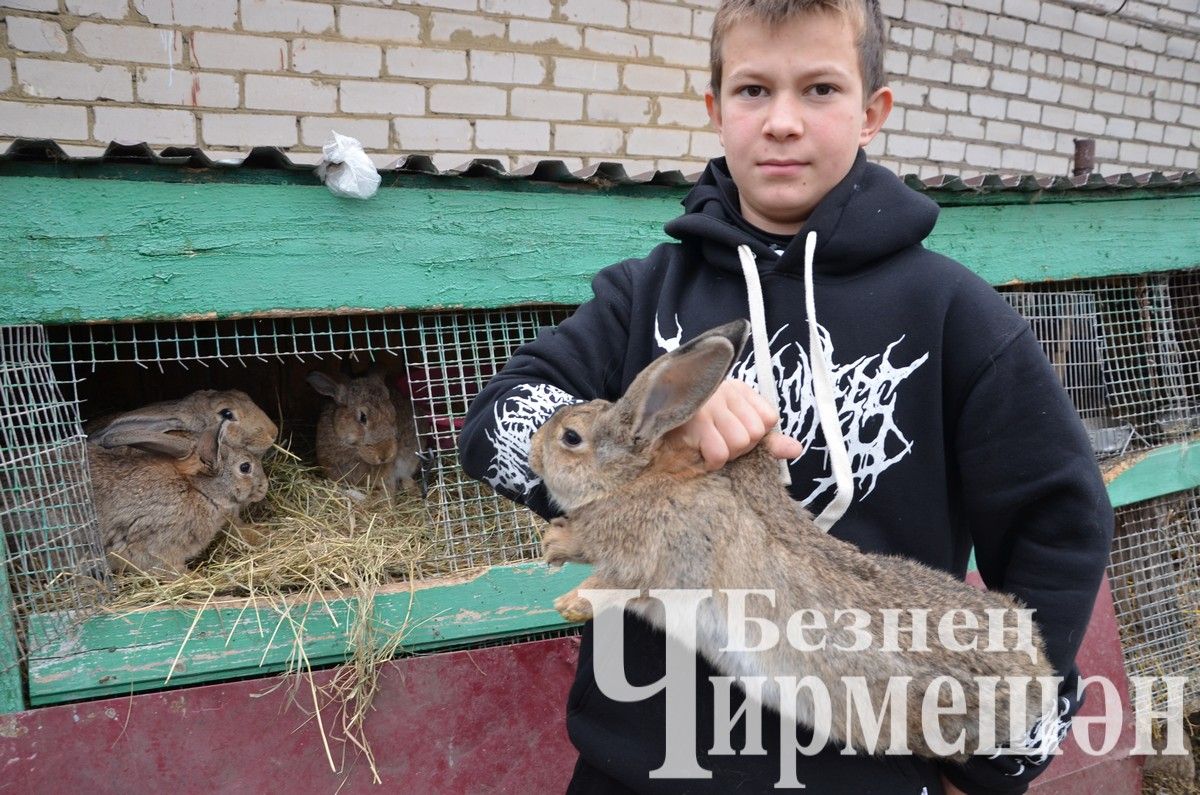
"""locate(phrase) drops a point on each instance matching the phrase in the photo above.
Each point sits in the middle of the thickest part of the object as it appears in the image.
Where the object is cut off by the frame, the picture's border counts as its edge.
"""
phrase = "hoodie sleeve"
(580, 359)
(1041, 523)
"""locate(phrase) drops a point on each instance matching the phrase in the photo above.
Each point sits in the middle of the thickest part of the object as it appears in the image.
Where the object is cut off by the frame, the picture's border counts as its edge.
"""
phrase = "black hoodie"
(958, 431)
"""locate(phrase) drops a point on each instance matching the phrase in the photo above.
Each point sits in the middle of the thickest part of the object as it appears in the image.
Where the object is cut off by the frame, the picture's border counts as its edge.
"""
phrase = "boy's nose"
(784, 119)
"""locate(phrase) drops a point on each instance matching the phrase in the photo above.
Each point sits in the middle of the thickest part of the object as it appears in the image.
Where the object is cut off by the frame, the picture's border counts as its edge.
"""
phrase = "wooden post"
(12, 696)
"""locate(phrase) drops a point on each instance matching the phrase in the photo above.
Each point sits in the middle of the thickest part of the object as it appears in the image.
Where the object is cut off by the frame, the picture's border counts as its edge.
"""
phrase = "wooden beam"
(12, 695)
(1156, 473)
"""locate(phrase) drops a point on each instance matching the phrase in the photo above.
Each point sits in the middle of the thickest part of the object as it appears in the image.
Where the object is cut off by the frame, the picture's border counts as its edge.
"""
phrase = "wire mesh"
(55, 563)
(1127, 349)
(1155, 578)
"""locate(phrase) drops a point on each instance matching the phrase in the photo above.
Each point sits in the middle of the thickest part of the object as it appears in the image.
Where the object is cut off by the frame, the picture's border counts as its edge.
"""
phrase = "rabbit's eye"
(245, 467)
(571, 438)
(362, 417)
(226, 414)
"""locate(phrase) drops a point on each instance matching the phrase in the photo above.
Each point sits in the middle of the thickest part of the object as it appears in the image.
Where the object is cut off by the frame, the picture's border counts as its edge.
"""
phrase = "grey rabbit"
(640, 506)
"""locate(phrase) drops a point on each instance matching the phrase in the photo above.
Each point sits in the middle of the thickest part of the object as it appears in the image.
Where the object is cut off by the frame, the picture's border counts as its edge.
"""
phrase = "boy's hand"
(731, 423)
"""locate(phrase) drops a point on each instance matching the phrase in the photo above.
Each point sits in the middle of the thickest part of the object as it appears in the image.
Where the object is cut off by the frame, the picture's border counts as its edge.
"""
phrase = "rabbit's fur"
(154, 512)
(365, 434)
(246, 426)
(641, 507)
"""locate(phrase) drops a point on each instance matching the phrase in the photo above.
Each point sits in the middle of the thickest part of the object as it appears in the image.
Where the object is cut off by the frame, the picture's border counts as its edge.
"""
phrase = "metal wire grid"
(451, 358)
(55, 562)
(1127, 348)
(1155, 578)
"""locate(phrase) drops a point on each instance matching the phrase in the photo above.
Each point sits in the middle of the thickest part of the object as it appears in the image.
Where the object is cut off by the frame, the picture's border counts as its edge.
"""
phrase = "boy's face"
(792, 115)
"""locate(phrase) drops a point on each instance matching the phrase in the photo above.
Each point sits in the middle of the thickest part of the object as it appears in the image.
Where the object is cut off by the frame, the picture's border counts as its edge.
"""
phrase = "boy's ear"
(713, 106)
(878, 107)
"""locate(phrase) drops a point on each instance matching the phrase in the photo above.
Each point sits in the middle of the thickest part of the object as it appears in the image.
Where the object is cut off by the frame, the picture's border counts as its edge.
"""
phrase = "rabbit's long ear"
(136, 429)
(328, 387)
(674, 387)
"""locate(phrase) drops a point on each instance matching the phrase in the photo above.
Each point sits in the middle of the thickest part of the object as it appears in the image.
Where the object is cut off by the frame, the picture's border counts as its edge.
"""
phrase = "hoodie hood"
(867, 217)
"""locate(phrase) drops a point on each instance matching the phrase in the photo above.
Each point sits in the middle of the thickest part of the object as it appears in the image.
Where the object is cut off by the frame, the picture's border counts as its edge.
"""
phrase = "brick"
(611, 42)
(1003, 133)
(983, 156)
(947, 99)
(313, 56)
(1175, 68)
(577, 138)
(1023, 9)
(1072, 70)
(1161, 156)
(127, 43)
(1179, 47)
(1033, 138)
(1108, 102)
(983, 50)
(464, 28)
(970, 75)
(682, 112)
(30, 120)
(209, 14)
(922, 39)
(505, 134)
(6, 79)
(907, 146)
(677, 50)
(31, 5)
(699, 79)
(987, 107)
(108, 9)
(706, 145)
(538, 103)
(424, 62)
(653, 79)
(968, 21)
(1053, 164)
(1057, 16)
(1020, 60)
(457, 5)
(912, 94)
(618, 109)
(247, 129)
(1024, 111)
(194, 89)
(1152, 40)
(895, 62)
(229, 51)
(1043, 38)
(1077, 97)
(658, 17)
(610, 13)
(1090, 123)
(657, 142)
(1188, 160)
(965, 127)
(154, 126)
(926, 14)
(1006, 28)
(593, 75)
(947, 151)
(1142, 61)
(267, 92)
(1091, 25)
(920, 122)
(521, 31)
(702, 22)
(35, 35)
(537, 9)
(685, 167)
(469, 100)
(1167, 111)
(286, 16)
(62, 80)
(1120, 128)
(900, 36)
(507, 67)
(1018, 161)
(380, 98)
(428, 135)
(1134, 153)
(1110, 53)
(1079, 46)
(1010, 82)
(371, 133)
(379, 24)
(1149, 131)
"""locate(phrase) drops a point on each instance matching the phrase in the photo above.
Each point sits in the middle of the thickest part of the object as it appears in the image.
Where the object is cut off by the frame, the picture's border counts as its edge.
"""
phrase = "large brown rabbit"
(640, 506)
(365, 435)
(154, 512)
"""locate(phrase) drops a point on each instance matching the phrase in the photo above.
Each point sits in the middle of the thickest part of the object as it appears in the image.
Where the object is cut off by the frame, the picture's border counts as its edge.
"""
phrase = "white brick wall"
(980, 85)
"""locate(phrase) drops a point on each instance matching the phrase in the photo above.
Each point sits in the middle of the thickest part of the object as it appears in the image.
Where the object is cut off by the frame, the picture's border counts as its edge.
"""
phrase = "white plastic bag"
(346, 170)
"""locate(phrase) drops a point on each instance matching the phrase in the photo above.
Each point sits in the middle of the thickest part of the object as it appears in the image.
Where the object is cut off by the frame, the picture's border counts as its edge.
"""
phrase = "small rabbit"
(640, 506)
(154, 511)
(366, 435)
(247, 427)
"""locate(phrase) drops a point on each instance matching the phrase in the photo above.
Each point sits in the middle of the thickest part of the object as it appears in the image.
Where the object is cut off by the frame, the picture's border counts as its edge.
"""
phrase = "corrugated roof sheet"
(604, 174)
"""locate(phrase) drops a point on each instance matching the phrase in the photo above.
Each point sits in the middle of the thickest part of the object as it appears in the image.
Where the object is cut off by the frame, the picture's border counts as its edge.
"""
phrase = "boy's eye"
(571, 439)
(823, 89)
(752, 91)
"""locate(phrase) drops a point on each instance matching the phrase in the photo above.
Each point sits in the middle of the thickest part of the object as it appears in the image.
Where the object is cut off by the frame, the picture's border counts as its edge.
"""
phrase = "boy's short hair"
(863, 15)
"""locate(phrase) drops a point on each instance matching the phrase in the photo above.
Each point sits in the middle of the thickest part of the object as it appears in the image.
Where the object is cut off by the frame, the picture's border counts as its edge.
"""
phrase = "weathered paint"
(488, 720)
(1165, 470)
(12, 697)
(102, 249)
(123, 654)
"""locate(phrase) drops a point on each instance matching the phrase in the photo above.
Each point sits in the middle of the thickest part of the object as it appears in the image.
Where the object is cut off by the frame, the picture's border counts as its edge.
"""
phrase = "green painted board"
(1162, 471)
(12, 697)
(107, 249)
(112, 655)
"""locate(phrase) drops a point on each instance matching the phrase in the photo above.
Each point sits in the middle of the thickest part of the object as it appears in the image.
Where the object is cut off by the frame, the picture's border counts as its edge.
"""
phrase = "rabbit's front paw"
(560, 544)
(573, 607)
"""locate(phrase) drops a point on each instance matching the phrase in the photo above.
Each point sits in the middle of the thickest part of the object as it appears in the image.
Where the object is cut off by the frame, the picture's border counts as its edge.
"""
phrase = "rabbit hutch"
(140, 276)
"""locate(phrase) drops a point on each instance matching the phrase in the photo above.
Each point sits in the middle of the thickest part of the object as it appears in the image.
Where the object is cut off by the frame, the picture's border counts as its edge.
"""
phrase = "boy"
(956, 429)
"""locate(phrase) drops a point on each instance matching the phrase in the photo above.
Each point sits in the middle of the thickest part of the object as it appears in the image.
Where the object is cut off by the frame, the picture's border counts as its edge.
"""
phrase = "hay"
(310, 537)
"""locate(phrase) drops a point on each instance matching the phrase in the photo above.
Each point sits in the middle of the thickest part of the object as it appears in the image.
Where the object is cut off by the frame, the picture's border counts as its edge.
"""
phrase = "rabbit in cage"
(157, 510)
(247, 427)
(366, 435)
(643, 510)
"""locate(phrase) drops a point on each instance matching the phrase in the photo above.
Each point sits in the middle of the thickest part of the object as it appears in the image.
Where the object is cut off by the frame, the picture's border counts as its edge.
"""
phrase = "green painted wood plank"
(112, 655)
(1160, 472)
(91, 250)
(12, 697)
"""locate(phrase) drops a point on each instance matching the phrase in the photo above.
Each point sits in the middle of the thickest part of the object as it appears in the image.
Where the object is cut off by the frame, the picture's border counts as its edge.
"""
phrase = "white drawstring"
(822, 383)
(762, 350)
